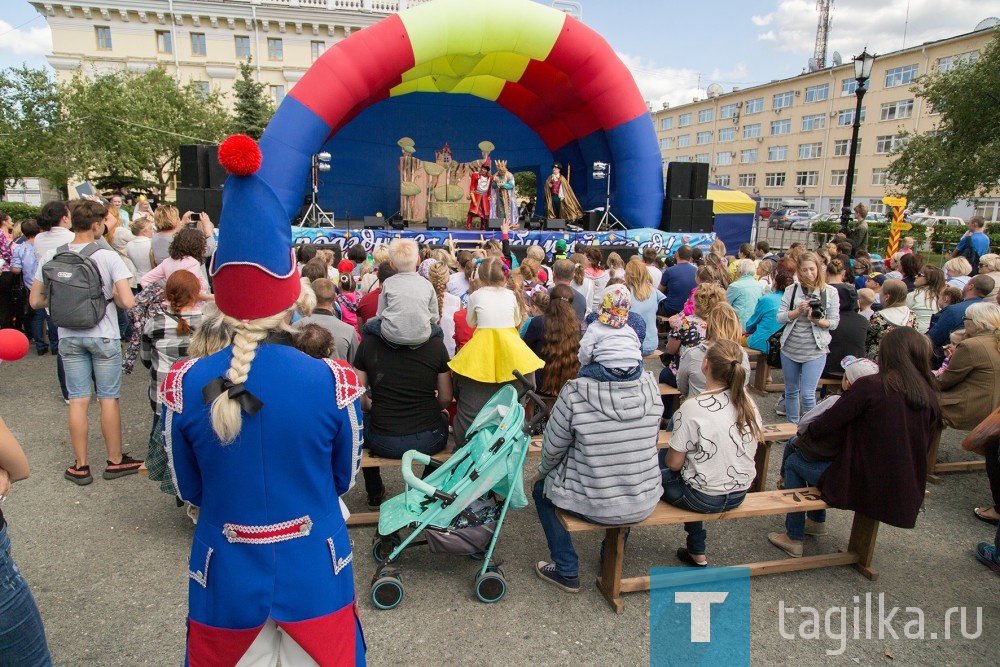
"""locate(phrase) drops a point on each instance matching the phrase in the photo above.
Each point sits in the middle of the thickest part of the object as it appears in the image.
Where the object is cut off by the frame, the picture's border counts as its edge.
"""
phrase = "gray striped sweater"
(599, 450)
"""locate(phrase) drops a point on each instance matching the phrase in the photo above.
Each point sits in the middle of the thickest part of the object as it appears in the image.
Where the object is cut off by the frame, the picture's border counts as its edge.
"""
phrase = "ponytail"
(183, 328)
(725, 363)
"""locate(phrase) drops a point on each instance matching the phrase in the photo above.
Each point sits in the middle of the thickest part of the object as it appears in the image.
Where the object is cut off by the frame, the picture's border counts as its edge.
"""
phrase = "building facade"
(790, 139)
(205, 40)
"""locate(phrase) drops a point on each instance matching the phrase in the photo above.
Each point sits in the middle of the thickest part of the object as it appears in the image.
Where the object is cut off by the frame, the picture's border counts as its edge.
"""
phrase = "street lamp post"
(862, 72)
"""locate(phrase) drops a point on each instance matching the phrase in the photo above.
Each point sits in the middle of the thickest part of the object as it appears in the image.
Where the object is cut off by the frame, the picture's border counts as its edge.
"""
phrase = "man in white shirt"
(93, 353)
(54, 221)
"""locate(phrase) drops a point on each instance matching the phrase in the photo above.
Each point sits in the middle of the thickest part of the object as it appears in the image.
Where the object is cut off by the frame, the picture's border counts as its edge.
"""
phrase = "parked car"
(765, 212)
(805, 225)
(777, 219)
(800, 215)
(932, 220)
(876, 217)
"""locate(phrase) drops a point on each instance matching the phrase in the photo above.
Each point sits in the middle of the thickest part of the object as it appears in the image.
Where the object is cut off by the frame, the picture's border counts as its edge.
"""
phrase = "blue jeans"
(22, 636)
(596, 371)
(799, 471)
(676, 492)
(394, 446)
(99, 359)
(801, 378)
(560, 543)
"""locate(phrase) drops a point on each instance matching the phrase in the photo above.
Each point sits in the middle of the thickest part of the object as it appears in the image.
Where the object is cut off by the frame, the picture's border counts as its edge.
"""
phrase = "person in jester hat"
(264, 439)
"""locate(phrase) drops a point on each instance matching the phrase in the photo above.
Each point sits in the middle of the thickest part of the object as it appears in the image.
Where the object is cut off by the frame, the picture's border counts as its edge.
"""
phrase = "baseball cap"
(615, 304)
(856, 368)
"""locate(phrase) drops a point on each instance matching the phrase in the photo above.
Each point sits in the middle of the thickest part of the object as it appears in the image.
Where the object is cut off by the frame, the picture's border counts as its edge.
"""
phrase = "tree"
(253, 109)
(960, 157)
(527, 183)
(126, 128)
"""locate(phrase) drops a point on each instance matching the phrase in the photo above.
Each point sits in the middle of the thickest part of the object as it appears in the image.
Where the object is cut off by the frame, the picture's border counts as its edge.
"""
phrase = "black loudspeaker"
(216, 172)
(437, 223)
(493, 224)
(590, 220)
(555, 224)
(702, 216)
(679, 178)
(679, 215)
(193, 199)
(213, 204)
(374, 222)
(194, 166)
(624, 251)
(699, 180)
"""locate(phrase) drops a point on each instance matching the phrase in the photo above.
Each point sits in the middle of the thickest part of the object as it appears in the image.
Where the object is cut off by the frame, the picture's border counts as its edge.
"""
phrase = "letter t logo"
(701, 612)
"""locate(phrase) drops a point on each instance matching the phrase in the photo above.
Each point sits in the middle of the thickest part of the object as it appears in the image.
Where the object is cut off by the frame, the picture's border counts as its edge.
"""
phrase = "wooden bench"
(860, 547)
(759, 383)
(935, 468)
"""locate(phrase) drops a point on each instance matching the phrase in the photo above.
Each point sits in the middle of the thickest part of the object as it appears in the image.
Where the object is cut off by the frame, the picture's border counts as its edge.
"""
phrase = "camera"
(196, 217)
(816, 309)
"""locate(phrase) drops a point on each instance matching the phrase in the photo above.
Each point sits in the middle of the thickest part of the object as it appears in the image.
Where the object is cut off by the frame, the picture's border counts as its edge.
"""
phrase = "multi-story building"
(790, 139)
(205, 40)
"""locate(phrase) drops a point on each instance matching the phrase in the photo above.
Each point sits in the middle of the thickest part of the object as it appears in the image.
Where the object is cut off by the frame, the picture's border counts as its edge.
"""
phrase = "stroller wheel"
(387, 592)
(383, 545)
(490, 587)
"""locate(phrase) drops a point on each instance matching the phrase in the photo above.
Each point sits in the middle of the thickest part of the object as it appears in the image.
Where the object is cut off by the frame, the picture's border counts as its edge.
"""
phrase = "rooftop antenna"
(715, 90)
(822, 32)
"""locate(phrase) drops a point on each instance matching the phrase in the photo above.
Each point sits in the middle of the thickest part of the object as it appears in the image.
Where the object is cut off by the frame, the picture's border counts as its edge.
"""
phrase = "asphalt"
(107, 564)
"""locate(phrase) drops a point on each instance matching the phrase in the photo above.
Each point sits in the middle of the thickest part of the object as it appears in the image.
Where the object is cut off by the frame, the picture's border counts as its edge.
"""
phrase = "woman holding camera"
(809, 310)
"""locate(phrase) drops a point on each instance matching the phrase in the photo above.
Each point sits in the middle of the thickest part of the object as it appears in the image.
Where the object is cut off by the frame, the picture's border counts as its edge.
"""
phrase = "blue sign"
(699, 616)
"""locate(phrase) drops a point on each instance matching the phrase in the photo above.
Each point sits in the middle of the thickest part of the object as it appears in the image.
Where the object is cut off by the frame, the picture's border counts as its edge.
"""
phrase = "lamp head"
(863, 65)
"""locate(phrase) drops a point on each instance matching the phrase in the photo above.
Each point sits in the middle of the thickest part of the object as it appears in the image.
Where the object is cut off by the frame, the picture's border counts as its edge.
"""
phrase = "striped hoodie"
(599, 451)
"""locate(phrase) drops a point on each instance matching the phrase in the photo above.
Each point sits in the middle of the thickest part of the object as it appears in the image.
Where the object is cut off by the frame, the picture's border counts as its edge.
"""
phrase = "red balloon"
(13, 345)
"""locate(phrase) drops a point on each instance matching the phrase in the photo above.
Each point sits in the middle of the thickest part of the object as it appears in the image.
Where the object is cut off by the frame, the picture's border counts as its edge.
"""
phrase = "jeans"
(394, 446)
(801, 378)
(22, 636)
(560, 543)
(39, 318)
(97, 358)
(799, 471)
(993, 471)
(596, 371)
(676, 492)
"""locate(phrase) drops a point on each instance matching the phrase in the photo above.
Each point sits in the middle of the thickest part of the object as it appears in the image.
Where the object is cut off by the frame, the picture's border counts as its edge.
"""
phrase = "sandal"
(980, 513)
(685, 557)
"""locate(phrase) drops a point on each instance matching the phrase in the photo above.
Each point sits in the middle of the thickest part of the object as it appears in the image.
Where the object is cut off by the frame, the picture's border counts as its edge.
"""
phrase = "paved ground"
(107, 564)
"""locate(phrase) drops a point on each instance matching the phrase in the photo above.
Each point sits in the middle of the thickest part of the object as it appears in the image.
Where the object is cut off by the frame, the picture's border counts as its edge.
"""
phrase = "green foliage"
(960, 157)
(18, 211)
(253, 109)
(526, 183)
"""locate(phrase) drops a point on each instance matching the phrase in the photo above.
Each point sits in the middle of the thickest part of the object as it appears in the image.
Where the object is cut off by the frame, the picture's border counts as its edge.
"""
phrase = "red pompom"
(13, 345)
(240, 155)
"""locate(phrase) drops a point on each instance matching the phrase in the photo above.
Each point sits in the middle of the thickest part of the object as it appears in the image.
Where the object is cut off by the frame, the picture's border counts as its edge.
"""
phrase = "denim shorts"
(97, 359)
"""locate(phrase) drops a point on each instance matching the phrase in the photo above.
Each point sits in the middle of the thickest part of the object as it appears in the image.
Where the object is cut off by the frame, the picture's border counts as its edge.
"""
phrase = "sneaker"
(815, 527)
(79, 475)
(779, 410)
(128, 466)
(375, 500)
(987, 555)
(783, 542)
(547, 573)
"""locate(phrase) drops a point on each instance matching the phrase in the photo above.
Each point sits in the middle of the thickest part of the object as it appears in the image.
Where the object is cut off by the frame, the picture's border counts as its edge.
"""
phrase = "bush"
(18, 211)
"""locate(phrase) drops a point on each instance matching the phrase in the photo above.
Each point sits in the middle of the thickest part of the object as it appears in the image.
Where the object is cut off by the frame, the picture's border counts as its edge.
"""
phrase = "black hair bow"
(250, 403)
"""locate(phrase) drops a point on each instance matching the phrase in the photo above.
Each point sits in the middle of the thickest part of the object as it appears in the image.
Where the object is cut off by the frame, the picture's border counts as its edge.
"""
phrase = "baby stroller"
(460, 506)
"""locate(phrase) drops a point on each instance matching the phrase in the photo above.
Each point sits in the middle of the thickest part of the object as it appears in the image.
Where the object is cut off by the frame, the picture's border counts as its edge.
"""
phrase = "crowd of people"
(413, 341)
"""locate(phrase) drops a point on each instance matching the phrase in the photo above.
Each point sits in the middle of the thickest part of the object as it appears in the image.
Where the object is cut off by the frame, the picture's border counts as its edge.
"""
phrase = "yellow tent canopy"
(731, 201)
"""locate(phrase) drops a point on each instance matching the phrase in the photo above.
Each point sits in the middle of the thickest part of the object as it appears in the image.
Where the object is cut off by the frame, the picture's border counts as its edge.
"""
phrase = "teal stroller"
(460, 507)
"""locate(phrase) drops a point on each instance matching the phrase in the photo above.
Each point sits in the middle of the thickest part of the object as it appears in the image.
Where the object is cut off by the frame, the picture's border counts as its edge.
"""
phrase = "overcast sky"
(676, 48)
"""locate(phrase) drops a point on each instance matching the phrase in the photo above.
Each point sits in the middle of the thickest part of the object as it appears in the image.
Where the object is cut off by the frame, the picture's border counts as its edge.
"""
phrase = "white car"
(931, 220)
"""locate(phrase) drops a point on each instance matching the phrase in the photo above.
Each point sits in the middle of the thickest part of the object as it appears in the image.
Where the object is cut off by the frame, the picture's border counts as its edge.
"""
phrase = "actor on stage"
(503, 196)
(264, 439)
(560, 202)
(479, 196)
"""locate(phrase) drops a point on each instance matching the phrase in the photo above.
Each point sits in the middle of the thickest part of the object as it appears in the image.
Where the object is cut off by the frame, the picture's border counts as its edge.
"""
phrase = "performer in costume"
(479, 196)
(503, 196)
(560, 202)
(264, 439)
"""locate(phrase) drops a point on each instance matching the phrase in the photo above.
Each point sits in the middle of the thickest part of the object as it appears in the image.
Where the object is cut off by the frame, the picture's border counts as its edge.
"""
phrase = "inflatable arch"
(548, 71)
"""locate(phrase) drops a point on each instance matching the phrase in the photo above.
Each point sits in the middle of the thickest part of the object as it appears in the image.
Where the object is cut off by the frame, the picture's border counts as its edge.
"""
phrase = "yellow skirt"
(492, 356)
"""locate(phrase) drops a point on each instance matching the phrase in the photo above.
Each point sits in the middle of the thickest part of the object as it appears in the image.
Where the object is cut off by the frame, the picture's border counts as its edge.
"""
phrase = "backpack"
(969, 253)
(74, 289)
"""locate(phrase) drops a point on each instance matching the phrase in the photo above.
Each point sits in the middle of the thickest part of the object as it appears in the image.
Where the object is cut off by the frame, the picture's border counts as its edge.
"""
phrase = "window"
(748, 156)
(876, 206)
(202, 88)
(727, 134)
(782, 100)
(275, 50)
(748, 180)
(756, 105)
(879, 176)
(667, 123)
(684, 120)
(816, 122)
(703, 138)
(164, 41)
(949, 63)
(901, 76)
(885, 144)
(103, 38)
(723, 158)
(703, 157)
(684, 141)
(242, 46)
(988, 209)
(277, 93)
(776, 180)
(810, 151)
(839, 177)
(842, 147)
(804, 179)
(845, 117)
(665, 143)
(817, 93)
(770, 202)
(706, 115)
(776, 153)
(316, 49)
(198, 47)
(849, 86)
(897, 110)
(722, 180)
(727, 110)
(751, 131)
(783, 126)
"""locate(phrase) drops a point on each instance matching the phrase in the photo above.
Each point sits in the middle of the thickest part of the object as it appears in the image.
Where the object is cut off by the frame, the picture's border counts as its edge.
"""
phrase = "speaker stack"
(201, 180)
(686, 207)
